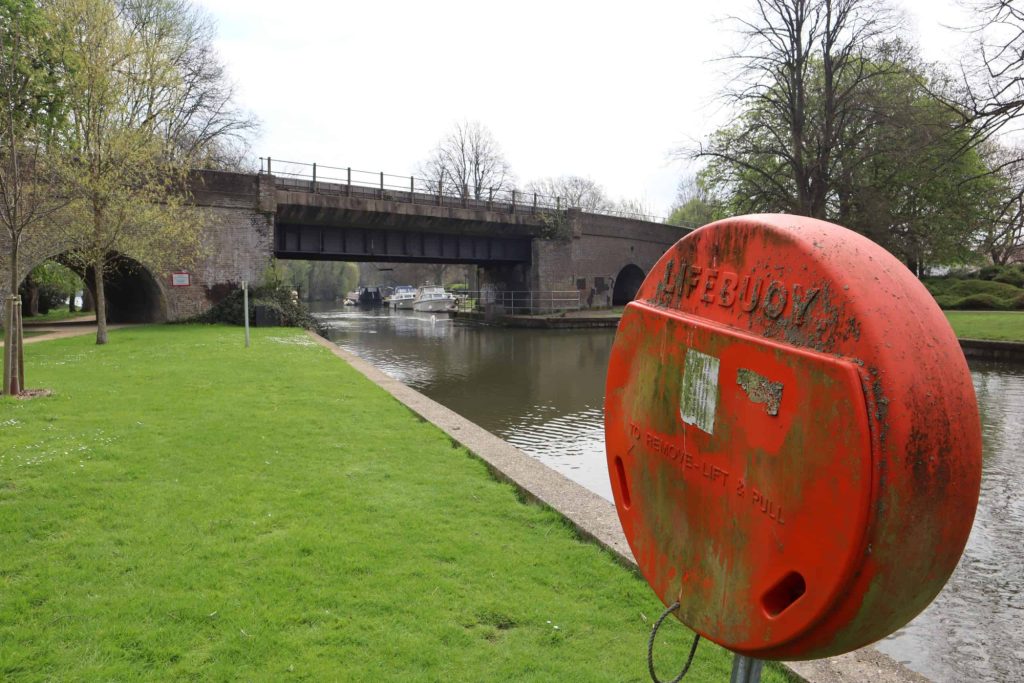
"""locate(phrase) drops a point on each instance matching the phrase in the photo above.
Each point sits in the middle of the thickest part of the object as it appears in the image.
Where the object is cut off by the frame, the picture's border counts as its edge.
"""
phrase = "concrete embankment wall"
(983, 349)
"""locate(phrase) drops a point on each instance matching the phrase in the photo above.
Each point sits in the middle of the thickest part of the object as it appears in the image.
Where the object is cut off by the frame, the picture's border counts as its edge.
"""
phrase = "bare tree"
(468, 162)
(1001, 238)
(574, 191)
(192, 101)
(695, 204)
(993, 73)
(631, 208)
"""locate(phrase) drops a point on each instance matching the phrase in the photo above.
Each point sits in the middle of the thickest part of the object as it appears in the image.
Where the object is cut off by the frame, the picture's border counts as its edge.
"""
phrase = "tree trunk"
(71, 303)
(87, 300)
(30, 301)
(14, 375)
(101, 305)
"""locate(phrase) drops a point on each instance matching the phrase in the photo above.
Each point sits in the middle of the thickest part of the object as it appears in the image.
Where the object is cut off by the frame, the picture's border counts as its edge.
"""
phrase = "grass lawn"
(1001, 325)
(185, 509)
(53, 315)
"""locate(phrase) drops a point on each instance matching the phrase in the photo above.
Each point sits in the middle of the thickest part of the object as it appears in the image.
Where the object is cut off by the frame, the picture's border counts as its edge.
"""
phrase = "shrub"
(273, 302)
(946, 301)
(988, 272)
(1011, 275)
(982, 302)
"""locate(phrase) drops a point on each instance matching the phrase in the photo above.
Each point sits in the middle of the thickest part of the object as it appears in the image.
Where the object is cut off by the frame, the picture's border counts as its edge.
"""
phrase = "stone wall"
(594, 250)
(237, 242)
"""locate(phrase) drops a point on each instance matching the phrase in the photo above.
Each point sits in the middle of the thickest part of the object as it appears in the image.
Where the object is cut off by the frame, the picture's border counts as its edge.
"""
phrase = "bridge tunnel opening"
(627, 283)
(132, 293)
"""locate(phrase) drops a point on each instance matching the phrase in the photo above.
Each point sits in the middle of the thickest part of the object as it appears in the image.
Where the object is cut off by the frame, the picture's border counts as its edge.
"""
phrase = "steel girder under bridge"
(344, 243)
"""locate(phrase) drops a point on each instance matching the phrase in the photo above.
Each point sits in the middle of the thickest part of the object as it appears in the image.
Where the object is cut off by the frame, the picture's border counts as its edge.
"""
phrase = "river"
(543, 390)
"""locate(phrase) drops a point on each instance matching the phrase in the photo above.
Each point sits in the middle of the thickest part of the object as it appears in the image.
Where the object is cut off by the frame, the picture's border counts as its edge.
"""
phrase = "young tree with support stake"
(31, 112)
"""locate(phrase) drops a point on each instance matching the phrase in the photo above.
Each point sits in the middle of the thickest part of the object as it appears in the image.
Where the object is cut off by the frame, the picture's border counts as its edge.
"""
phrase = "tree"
(31, 112)
(1001, 238)
(574, 191)
(48, 285)
(992, 76)
(469, 163)
(320, 280)
(194, 110)
(695, 205)
(838, 120)
(631, 208)
(145, 107)
(803, 67)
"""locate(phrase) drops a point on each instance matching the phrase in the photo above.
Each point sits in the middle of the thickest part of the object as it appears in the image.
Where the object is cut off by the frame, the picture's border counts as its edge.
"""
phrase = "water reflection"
(975, 628)
(543, 391)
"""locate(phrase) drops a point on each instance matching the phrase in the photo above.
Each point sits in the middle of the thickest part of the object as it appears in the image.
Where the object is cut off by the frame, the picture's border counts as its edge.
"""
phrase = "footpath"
(62, 329)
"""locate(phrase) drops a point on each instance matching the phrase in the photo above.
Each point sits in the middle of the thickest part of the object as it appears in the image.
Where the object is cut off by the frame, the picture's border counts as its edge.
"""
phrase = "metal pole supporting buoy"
(245, 310)
(746, 669)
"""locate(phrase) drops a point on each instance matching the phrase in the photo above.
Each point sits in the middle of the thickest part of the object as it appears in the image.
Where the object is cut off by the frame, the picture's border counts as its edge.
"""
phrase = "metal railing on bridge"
(523, 302)
(349, 182)
(300, 176)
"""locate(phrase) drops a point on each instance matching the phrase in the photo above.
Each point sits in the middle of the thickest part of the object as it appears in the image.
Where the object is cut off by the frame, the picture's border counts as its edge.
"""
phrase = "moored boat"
(403, 297)
(433, 299)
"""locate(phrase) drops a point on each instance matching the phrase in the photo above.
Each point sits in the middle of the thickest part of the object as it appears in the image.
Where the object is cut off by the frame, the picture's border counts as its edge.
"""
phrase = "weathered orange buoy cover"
(792, 436)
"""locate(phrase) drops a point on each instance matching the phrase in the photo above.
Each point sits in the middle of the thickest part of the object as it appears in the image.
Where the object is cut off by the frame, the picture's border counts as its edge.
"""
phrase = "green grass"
(53, 315)
(998, 325)
(182, 508)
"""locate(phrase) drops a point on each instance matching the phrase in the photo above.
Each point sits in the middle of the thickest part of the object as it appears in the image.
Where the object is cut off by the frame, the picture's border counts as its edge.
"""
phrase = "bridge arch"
(627, 282)
(133, 293)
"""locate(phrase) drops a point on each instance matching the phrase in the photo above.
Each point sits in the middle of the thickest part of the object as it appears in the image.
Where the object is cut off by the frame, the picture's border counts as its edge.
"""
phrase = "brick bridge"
(517, 243)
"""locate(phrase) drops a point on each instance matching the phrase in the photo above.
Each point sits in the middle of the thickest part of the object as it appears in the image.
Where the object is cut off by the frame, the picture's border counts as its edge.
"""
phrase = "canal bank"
(980, 349)
(542, 391)
(592, 516)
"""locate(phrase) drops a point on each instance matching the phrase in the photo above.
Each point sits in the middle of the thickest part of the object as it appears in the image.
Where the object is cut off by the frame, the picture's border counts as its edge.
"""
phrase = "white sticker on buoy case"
(699, 398)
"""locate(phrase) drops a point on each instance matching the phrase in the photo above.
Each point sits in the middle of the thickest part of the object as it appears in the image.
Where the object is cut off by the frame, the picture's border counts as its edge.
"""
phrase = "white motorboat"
(433, 300)
(403, 297)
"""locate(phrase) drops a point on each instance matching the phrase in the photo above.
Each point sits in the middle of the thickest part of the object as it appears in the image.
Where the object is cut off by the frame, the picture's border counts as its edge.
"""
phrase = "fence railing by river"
(525, 302)
(444, 190)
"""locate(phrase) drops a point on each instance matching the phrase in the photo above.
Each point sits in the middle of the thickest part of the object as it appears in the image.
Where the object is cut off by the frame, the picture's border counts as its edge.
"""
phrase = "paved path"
(63, 330)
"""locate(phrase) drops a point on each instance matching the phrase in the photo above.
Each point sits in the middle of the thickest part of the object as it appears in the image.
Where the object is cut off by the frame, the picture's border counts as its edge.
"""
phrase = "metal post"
(513, 200)
(745, 670)
(558, 203)
(412, 190)
(261, 165)
(314, 177)
(245, 309)
(382, 184)
(535, 202)
(348, 182)
(268, 166)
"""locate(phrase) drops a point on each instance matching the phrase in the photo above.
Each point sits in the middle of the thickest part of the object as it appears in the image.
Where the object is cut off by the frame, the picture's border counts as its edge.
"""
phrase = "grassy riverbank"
(997, 325)
(184, 508)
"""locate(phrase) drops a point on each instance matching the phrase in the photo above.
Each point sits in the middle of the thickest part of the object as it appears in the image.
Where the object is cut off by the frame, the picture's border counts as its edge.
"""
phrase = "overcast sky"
(598, 89)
